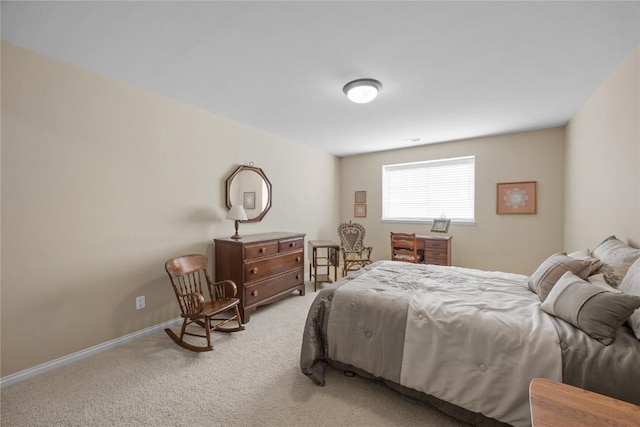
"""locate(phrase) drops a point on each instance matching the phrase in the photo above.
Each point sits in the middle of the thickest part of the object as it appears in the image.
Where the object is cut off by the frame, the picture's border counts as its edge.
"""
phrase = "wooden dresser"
(436, 249)
(265, 267)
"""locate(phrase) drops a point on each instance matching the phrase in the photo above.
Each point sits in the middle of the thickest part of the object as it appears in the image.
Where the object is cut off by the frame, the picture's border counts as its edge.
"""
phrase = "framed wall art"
(361, 197)
(516, 197)
(440, 225)
(360, 210)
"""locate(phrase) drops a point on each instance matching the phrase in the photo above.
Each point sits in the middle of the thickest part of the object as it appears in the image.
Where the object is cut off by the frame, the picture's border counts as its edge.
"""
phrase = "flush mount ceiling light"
(362, 91)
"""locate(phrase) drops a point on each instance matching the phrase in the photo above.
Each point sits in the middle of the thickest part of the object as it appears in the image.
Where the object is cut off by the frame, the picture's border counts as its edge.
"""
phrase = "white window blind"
(422, 191)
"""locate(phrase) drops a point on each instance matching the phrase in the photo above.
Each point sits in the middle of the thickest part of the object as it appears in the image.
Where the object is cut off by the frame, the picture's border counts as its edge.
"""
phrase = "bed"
(470, 341)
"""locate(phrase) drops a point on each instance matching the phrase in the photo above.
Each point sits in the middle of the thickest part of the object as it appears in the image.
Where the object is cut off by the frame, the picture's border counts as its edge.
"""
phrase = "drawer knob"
(254, 293)
(263, 250)
(292, 244)
(298, 259)
(297, 277)
(254, 271)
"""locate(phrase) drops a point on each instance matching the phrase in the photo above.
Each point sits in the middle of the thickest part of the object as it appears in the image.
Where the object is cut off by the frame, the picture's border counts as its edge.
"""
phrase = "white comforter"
(472, 338)
(479, 350)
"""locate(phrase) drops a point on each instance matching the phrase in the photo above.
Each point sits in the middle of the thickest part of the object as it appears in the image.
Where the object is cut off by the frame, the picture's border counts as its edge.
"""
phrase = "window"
(422, 191)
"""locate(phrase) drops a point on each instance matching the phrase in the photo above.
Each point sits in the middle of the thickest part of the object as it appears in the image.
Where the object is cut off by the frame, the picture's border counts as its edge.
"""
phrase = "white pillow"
(599, 281)
(631, 285)
(587, 255)
(581, 254)
(617, 257)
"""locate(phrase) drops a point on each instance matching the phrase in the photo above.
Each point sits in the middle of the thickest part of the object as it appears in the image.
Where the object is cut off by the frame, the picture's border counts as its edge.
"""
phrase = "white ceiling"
(450, 70)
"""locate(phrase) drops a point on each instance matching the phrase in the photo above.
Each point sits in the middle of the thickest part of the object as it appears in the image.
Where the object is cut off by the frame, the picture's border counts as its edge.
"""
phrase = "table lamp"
(237, 214)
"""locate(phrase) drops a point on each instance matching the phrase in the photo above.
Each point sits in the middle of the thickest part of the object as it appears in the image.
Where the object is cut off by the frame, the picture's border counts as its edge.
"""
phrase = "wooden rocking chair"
(188, 274)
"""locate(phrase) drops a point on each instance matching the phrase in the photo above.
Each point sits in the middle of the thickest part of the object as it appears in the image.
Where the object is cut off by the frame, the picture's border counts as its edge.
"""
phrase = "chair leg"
(184, 328)
(239, 318)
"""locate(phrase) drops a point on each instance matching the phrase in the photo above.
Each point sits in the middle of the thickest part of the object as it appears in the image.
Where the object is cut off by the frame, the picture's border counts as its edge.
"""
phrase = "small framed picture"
(249, 200)
(361, 197)
(440, 225)
(360, 210)
(516, 197)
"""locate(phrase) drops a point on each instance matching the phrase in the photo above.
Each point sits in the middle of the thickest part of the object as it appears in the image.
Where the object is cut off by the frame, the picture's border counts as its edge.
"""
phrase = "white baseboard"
(74, 357)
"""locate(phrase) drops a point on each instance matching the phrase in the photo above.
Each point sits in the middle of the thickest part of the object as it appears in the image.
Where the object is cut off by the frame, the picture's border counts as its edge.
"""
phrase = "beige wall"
(602, 181)
(102, 182)
(514, 243)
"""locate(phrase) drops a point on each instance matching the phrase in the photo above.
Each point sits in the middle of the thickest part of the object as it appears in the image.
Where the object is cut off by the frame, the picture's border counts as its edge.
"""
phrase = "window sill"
(423, 221)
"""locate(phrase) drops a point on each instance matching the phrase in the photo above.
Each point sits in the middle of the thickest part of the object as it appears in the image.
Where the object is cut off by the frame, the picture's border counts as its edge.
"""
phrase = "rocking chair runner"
(188, 274)
(354, 254)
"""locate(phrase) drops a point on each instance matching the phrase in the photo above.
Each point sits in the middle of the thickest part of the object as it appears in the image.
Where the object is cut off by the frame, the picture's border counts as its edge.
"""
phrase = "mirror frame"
(259, 171)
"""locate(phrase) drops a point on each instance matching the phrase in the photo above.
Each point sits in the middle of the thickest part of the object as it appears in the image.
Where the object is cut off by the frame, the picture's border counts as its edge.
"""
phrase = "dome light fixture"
(362, 91)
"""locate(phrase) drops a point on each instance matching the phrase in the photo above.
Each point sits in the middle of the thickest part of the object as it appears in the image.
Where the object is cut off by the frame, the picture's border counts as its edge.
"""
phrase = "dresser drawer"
(436, 244)
(263, 268)
(437, 251)
(273, 286)
(290, 245)
(258, 250)
(431, 254)
(436, 257)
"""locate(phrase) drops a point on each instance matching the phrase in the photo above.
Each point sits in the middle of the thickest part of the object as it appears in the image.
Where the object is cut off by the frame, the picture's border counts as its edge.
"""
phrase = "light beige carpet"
(252, 378)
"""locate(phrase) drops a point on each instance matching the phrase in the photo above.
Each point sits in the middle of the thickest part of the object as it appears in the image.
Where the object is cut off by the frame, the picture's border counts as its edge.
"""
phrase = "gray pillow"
(548, 273)
(631, 285)
(616, 257)
(589, 308)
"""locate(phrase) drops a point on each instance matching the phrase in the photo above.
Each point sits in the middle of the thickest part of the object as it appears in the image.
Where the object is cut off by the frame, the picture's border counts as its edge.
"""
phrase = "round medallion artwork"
(516, 198)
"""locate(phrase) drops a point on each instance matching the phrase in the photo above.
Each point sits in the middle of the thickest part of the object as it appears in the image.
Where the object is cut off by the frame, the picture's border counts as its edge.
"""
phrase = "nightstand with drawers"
(435, 249)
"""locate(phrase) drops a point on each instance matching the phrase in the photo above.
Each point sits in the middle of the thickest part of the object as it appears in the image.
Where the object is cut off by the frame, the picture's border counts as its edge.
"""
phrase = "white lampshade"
(362, 91)
(237, 213)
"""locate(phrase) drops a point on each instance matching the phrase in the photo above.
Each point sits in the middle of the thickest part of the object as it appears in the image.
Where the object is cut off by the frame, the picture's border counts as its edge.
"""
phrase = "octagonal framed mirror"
(249, 186)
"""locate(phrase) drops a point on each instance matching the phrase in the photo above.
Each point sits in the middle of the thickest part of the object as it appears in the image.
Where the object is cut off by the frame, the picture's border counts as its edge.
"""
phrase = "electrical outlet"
(139, 302)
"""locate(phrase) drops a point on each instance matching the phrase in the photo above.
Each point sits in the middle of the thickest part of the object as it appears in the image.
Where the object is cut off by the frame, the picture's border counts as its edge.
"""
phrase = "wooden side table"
(555, 404)
(323, 254)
